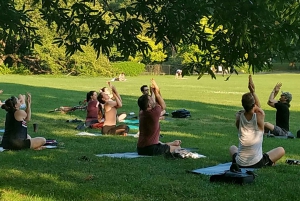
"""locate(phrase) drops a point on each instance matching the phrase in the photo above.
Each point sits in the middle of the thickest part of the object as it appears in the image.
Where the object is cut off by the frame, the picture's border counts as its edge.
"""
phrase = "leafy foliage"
(234, 32)
(129, 68)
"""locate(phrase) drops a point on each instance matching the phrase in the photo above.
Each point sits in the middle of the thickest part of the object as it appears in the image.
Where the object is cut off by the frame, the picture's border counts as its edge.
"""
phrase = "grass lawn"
(60, 174)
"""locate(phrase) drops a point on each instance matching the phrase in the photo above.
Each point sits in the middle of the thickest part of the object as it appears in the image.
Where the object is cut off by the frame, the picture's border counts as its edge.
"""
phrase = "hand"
(109, 84)
(28, 100)
(113, 88)
(1, 91)
(154, 85)
(277, 87)
(251, 85)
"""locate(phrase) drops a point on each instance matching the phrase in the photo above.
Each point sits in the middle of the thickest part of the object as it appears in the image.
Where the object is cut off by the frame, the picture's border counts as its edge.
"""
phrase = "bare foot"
(176, 143)
(40, 148)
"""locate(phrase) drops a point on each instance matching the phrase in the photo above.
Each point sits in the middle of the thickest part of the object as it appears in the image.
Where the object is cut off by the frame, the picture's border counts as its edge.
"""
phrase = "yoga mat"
(134, 127)
(217, 169)
(130, 121)
(50, 147)
(122, 155)
(99, 134)
(89, 134)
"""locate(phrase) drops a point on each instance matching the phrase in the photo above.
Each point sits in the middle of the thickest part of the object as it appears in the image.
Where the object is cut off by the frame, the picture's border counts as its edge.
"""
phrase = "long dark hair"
(88, 95)
(10, 104)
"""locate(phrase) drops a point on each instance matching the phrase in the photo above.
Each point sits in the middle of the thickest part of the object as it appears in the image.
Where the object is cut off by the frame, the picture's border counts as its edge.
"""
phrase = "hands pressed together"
(277, 87)
(251, 85)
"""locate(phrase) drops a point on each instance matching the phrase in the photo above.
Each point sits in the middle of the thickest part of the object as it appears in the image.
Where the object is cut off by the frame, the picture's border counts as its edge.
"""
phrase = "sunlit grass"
(61, 174)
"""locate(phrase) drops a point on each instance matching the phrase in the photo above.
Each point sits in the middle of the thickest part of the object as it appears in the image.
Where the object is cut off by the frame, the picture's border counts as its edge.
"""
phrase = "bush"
(22, 70)
(4, 70)
(129, 68)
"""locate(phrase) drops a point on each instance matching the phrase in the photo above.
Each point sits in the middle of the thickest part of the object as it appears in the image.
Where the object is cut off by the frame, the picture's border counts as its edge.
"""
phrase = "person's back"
(149, 127)
(282, 115)
(14, 130)
(250, 141)
(92, 110)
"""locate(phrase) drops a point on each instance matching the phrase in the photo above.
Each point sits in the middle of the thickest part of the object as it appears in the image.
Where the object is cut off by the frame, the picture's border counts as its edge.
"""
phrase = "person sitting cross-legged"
(149, 128)
(15, 135)
(282, 113)
(250, 125)
(110, 113)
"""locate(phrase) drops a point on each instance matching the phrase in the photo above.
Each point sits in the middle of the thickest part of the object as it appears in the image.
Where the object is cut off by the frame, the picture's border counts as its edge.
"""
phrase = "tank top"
(250, 142)
(13, 129)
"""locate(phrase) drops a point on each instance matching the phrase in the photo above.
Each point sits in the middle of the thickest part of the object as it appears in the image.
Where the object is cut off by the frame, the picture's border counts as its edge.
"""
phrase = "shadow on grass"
(64, 174)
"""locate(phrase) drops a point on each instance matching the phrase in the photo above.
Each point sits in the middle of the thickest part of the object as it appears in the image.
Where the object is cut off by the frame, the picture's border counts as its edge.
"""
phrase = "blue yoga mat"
(130, 121)
(134, 127)
(218, 169)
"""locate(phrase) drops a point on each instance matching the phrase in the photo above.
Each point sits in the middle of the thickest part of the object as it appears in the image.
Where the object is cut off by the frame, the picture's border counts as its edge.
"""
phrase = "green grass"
(59, 174)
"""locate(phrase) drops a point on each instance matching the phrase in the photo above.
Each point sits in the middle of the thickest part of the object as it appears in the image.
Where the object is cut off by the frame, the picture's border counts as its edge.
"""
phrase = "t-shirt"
(282, 115)
(92, 110)
(149, 127)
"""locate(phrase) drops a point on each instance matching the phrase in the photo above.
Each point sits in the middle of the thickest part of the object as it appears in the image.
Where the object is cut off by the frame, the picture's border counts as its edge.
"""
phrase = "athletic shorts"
(153, 150)
(16, 144)
(265, 161)
(279, 131)
(115, 130)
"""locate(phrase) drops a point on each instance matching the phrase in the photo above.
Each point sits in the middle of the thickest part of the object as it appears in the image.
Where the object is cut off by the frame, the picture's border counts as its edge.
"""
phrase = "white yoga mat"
(218, 169)
(89, 134)
(122, 155)
(99, 134)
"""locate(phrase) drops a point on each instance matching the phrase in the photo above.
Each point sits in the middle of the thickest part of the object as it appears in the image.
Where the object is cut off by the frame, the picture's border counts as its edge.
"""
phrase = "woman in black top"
(15, 136)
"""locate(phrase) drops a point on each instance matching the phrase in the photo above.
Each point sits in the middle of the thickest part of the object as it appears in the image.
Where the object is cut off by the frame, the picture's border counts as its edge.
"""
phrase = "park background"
(75, 173)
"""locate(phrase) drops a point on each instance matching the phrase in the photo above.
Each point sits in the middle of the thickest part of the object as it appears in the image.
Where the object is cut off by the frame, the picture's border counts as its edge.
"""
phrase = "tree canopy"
(240, 31)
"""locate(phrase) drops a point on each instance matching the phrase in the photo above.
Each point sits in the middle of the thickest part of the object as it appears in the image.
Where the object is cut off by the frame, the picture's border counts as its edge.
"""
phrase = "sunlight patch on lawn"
(226, 92)
(15, 195)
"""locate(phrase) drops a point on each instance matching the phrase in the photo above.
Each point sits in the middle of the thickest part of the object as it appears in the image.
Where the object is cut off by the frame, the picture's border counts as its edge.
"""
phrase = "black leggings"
(115, 130)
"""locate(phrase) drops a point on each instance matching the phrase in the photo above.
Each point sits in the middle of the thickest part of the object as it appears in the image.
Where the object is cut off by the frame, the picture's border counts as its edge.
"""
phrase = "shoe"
(290, 135)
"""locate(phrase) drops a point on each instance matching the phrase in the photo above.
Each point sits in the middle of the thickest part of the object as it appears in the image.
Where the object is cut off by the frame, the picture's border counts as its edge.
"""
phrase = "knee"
(281, 151)
(232, 147)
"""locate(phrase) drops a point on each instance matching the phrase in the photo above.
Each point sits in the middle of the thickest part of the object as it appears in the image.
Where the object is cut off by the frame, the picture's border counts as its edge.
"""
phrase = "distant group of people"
(102, 108)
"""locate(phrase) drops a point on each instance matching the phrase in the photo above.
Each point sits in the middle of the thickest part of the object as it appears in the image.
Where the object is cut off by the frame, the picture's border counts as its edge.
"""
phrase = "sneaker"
(290, 135)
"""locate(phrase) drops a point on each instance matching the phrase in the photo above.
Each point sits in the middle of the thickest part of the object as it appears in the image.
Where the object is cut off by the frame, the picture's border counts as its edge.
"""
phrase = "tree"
(17, 36)
(242, 31)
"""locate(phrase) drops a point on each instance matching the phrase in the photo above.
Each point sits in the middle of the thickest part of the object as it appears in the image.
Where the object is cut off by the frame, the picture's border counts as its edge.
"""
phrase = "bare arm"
(115, 93)
(28, 107)
(272, 101)
(260, 115)
(160, 100)
(157, 94)
(237, 118)
(251, 88)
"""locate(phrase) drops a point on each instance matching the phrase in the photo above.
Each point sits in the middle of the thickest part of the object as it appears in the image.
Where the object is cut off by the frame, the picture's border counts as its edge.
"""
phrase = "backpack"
(181, 113)
(234, 175)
